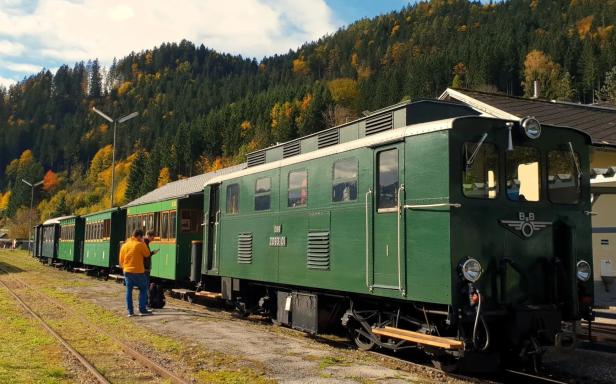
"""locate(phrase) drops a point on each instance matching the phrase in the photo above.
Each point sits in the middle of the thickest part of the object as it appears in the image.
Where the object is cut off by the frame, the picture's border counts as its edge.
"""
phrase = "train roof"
(388, 136)
(55, 220)
(182, 188)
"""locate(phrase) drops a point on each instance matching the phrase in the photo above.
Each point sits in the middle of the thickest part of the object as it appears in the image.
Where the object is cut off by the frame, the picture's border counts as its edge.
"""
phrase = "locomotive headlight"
(583, 270)
(471, 270)
(531, 127)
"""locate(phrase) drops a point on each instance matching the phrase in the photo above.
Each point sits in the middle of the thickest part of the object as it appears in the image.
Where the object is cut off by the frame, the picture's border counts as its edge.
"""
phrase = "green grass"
(27, 353)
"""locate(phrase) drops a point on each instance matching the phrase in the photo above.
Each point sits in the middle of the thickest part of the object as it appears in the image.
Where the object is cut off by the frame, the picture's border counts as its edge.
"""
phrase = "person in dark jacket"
(147, 262)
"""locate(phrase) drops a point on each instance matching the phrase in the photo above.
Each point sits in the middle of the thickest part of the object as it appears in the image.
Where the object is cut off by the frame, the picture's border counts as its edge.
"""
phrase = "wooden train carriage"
(104, 231)
(70, 248)
(176, 223)
(50, 233)
(402, 217)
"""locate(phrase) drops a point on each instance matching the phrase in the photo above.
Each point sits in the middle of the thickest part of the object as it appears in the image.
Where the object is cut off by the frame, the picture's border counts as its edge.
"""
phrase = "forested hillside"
(201, 109)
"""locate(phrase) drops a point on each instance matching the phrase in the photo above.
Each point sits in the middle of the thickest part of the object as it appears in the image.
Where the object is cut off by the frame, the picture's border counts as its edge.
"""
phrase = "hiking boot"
(146, 313)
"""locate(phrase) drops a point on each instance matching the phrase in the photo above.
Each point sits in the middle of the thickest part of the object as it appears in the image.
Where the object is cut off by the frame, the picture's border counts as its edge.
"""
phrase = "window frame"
(378, 180)
(497, 176)
(540, 173)
(267, 193)
(547, 175)
(289, 189)
(237, 208)
(343, 180)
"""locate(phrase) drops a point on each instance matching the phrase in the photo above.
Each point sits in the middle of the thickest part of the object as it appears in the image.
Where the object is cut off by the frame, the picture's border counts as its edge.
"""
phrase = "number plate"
(278, 241)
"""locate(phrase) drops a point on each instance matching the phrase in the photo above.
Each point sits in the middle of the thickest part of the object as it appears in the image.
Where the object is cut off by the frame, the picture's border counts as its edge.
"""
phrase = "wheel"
(362, 340)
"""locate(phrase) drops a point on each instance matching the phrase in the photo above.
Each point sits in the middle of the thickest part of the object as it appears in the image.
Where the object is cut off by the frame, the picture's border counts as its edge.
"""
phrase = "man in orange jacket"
(132, 254)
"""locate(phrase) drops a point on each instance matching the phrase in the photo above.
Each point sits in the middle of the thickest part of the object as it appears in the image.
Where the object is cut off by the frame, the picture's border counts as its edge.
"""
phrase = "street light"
(115, 123)
(32, 185)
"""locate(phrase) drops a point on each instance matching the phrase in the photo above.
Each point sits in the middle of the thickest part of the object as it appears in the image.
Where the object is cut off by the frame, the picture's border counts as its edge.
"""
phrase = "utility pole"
(115, 123)
(31, 205)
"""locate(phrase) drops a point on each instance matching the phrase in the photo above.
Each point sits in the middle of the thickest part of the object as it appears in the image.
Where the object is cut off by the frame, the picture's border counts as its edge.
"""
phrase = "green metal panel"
(349, 133)
(158, 206)
(309, 144)
(49, 240)
(71, 250)
(104, 253)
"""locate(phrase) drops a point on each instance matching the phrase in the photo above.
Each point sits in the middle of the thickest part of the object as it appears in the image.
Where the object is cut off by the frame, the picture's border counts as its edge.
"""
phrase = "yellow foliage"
(604, 32)
(124, 87)
(119, 195)
(354, 60)
(4, 200)
(300, 67)
(245, 128)
(394, 29)
(364, 72)
(100, 162)
(584, 26)
(534, 4)
(163, 177)
(462, 28)
(344, 91)
(398, 52)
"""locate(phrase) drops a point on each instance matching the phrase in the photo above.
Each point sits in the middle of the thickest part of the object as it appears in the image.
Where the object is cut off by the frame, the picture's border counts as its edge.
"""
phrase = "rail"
(428, 206)
(145, 361)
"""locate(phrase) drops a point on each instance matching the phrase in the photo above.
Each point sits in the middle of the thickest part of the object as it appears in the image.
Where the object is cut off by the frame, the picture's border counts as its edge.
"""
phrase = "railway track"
(140, 367)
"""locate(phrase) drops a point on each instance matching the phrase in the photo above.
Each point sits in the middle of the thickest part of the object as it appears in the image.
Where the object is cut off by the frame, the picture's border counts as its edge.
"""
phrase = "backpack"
(156, 295)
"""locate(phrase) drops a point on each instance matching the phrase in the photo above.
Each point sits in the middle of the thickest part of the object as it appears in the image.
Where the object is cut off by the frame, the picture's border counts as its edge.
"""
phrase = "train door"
(389, 164)
(211, 224)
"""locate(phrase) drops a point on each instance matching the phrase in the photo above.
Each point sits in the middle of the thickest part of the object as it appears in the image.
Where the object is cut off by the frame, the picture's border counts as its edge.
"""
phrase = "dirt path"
(215, 347)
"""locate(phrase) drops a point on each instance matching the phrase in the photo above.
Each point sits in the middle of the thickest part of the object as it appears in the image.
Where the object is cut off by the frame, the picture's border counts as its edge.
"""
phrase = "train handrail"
(427, 206)
(368, 240)
(215, 247)
(400, 214)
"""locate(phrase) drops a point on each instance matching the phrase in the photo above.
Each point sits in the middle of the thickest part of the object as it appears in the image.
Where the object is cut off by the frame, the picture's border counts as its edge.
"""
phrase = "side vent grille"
(328, 138)
(318, 251)
(255, 158)
(290, 149)
(379, 123)
(244, 248)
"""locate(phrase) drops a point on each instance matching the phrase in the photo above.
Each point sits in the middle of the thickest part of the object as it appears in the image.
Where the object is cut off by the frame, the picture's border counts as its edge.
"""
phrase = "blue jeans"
(136, 280)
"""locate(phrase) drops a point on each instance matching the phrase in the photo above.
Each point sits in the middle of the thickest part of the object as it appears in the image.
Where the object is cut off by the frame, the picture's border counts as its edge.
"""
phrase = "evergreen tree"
(136, 175)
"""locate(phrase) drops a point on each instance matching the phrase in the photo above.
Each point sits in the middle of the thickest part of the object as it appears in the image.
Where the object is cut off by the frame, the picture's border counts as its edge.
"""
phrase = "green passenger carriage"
(420, 224)
(103, 233)
(49, 235)
(71, 240)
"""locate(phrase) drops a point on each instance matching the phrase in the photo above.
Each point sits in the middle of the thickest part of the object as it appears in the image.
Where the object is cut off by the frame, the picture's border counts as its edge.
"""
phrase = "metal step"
(116, 277)
(209, 295)
(419, 338)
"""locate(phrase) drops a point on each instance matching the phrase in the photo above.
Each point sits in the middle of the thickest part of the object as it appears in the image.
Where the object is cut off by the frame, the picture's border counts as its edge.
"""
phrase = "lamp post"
(32, 185)
(115, 123)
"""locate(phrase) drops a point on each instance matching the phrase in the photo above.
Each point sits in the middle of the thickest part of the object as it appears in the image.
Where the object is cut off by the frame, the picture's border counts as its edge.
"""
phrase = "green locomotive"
(420, 225)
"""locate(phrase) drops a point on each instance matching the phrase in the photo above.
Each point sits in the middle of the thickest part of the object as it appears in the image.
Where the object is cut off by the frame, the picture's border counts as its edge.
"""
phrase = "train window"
(388, 179)
(480, 175)
(191, 221)
(107, 228)
(344, 184)
(523, 174)
(156, 223)
(298, 189)
(233, 198)
(563, 177)
(172, 224)
(164, 225)
(263, 187)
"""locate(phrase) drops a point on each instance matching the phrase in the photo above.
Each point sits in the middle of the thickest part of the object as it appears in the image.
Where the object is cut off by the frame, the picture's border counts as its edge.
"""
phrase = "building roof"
(55, 220)
(599, 122)
(182, 188)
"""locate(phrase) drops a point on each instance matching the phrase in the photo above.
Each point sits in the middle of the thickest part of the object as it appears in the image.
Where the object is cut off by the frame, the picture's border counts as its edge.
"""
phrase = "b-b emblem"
(525, 226)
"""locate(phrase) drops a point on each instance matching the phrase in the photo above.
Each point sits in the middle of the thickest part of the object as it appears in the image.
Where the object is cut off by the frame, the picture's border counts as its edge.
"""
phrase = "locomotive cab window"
(563, 177)
(344, 185)
(388, 179)
(233, 198)
(480, 170)
(263, 187)
(298, 189)
(523, 174)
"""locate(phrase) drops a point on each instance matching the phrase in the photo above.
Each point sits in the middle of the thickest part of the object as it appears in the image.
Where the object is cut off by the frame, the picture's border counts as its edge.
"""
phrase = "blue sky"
(47, 33)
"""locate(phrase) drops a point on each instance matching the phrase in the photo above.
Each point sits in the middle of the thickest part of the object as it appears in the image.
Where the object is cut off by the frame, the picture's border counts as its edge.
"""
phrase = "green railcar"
(423, 217)
(49, 232)
(104, 231)
(176, 223)
(72, 231)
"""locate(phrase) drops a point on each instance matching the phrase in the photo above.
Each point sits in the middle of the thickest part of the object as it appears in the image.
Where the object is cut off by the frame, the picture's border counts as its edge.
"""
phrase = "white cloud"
(9, 48)
(21, 67)
(6, 83)
(69, 30)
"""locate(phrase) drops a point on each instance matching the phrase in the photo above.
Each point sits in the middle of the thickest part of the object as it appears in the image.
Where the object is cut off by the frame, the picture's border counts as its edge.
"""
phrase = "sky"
(37, 34)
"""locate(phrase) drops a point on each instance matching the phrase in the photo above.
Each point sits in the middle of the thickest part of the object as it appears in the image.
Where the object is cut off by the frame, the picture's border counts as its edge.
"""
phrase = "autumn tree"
(554, 82)
(50, 181)
(163, 177)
